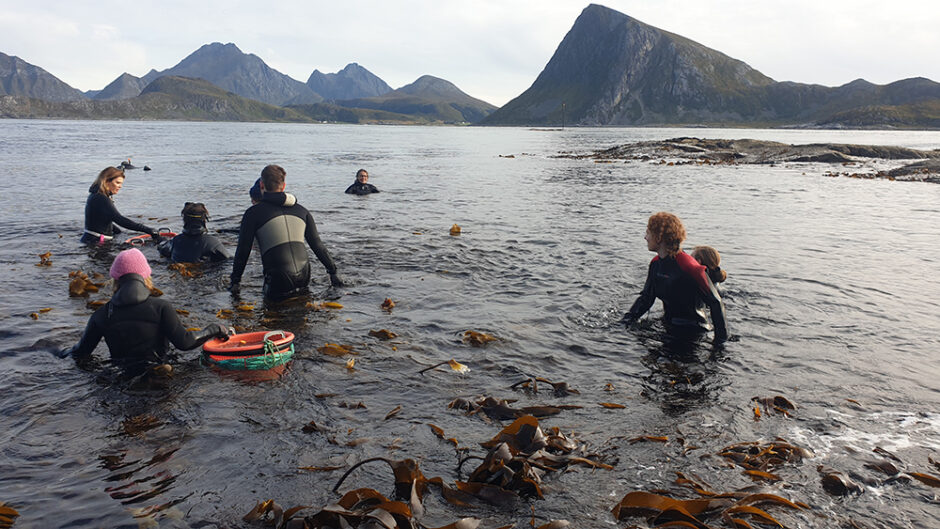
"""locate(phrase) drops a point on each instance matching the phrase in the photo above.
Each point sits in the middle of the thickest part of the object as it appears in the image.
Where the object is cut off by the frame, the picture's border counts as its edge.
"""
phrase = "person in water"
(281, 226)
(100, 213)
(361, 186)
(255, 192)
(194, 244)
(679, 281)
(136, 326)
(711, 260)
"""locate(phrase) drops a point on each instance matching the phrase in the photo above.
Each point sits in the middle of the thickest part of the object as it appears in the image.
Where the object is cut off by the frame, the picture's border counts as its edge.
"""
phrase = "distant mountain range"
(611, 69)
(230, 75)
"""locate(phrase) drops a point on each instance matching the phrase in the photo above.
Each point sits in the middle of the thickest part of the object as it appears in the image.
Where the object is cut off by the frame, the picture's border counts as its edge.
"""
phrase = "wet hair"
(360, 171)
(106, 175)
(272, 176)
(668, 231)
(194, 213)
(115, 285)
(710, 257)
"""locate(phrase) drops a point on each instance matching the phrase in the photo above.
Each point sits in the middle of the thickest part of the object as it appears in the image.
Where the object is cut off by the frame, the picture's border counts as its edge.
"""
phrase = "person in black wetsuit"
(361, 186)
(281, 226)
(100, 213)
(679, 281)
(194, 244)
(137, 327)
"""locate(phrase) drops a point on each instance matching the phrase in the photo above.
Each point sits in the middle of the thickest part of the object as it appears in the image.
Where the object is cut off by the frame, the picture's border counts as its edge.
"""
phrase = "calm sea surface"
(833, 289)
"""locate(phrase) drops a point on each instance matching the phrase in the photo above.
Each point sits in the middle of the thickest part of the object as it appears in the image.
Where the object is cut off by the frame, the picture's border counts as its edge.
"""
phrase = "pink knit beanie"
(130, 262)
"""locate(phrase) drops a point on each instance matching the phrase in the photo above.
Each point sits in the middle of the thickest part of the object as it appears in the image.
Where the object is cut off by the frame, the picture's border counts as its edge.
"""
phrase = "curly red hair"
(668, 230)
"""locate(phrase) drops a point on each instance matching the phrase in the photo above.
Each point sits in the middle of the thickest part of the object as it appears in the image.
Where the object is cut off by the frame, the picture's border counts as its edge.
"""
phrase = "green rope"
(272, 357)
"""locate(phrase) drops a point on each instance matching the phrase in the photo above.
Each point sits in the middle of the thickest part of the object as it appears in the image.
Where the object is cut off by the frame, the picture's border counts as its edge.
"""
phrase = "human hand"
(156, 238)
(336, 281)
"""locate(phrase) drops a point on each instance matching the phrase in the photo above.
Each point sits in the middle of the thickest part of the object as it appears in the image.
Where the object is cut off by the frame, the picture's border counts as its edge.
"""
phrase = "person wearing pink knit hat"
(137, 327)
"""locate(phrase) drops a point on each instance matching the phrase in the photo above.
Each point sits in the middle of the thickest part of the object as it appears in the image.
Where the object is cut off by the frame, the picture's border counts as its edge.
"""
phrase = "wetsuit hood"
(279, 199)
(131, 291)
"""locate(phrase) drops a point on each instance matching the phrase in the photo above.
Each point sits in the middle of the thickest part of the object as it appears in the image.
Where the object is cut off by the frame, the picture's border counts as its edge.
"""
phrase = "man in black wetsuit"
(361, 186)
(281, 226)
(194, 244)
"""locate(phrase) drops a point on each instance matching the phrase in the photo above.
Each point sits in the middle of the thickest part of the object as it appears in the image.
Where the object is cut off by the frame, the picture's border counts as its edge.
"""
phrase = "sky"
(491, 49)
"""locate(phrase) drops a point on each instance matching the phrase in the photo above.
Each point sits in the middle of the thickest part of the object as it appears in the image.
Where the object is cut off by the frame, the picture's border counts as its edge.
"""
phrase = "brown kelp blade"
(926, 479)
(640, 503)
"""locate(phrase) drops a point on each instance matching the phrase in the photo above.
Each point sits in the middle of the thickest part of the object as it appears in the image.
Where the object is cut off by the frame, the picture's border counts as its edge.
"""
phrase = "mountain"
(20, 78)
(351, 82)
(166, 98)
(429, 98)
(227, 67)
(611, 69)
(125, 86)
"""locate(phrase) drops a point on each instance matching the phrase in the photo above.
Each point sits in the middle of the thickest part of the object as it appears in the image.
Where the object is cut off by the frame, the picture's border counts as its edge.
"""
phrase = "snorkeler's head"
(194, 214)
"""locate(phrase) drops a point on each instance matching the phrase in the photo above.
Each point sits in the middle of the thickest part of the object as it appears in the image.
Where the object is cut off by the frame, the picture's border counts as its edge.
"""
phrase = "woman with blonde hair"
(679, 281)
(137, 327)
(100, 213)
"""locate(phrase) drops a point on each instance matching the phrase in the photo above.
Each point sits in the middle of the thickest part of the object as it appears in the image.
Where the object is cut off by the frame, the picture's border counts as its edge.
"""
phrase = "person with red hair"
(679, 281)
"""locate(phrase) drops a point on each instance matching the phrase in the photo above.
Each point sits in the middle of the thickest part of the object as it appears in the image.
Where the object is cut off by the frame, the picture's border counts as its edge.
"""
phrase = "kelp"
(45, 259)
(80, 285)
(388, 305)
(776, 404)
(140, 423)
(187, 270)
(8, 516)
(531, 385)
(455, 366)
(664, 511)
(324, 305)
(500, 409)
(335, 349)
(836, 483)
(763, 456)
(477, 339)
(383, 334)
(454, 230)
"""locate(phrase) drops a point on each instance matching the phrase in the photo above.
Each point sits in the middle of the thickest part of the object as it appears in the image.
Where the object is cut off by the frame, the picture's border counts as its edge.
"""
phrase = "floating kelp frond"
(8, 516)
(612, 405)
(44, 259)
(777, 403)
(764, 457)
(80, 285)
(455, 230)
(663, 511)
(334, 349)
(139, 424)
(186, 269)
(383, 334)
(454, 366)
(477, 339)
(393, 413)
(388, 304)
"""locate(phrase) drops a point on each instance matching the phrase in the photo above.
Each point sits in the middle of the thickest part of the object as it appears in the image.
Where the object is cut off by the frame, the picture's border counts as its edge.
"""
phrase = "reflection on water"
(832, 290)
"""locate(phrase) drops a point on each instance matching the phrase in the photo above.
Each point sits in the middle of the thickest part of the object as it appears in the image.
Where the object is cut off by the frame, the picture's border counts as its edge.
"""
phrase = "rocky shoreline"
(921, 166)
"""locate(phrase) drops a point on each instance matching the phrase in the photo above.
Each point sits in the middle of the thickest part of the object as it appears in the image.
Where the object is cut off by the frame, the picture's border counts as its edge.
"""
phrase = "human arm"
(165, 248)
(313, 239)
(123, 221)
(246, 235)
(717, 309)
(181, 338)
(90, 338)
(216, 251)
(646, 299)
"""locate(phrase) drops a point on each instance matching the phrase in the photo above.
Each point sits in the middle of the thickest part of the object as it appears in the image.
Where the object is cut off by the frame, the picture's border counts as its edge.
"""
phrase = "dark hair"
(272, 176)
(668, 231)
(106, 175)
(194, 213)
(360, 171)
(711, 259)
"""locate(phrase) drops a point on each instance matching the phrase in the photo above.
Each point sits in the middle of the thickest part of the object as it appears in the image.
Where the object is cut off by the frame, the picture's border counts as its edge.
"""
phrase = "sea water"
(833, 290)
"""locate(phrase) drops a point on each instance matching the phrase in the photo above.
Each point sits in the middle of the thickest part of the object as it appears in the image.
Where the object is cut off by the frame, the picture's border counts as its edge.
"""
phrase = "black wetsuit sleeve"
(313, 239)
(178, 335)
(166, 248)
(717, 308)
(647, 297)
(246, 236)
(217, 251)
(373, 189)
(94, 331)
(351, 190)
(123, 221)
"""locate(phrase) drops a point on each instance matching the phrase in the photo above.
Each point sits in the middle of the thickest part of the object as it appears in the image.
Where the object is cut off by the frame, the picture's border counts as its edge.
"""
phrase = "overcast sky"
(491, 49)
